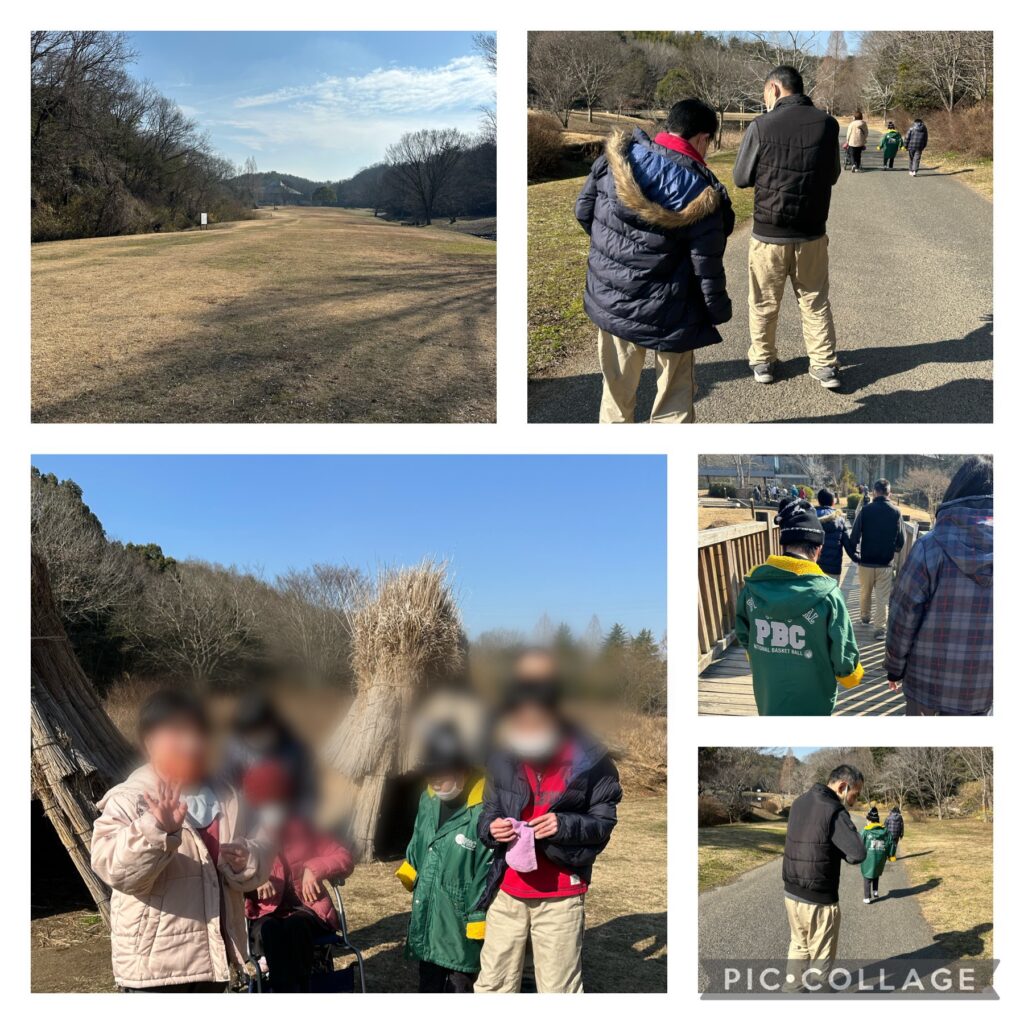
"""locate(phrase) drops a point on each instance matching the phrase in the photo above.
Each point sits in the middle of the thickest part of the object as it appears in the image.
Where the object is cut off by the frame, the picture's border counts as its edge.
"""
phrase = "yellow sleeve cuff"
(853, 679)
(406, 874)
(475, 930)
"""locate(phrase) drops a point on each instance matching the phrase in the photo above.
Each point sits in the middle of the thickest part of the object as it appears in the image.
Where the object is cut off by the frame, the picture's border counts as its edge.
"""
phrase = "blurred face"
(448, 786)
(178, 750)
(532, 732)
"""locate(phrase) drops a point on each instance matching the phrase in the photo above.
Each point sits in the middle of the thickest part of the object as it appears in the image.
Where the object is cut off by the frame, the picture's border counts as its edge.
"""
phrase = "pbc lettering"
(780, 634)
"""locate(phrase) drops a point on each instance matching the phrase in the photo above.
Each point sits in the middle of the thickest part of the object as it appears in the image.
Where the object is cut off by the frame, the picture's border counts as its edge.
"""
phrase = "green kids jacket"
(879, 846)
(792, 619)
(445, 869)
(891, 144)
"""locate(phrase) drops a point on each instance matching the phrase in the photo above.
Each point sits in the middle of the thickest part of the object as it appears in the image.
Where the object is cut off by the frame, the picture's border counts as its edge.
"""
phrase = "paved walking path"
(747, 919)
(911, 287)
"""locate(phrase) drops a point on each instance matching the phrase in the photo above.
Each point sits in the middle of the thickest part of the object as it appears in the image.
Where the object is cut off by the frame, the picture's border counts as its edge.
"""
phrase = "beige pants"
(813, 939)
(879, 583)
(621, 365)
(554, 927)
(806, 265)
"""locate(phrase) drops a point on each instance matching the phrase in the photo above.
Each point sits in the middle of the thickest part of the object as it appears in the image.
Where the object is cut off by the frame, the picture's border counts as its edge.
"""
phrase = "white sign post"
(202, 220)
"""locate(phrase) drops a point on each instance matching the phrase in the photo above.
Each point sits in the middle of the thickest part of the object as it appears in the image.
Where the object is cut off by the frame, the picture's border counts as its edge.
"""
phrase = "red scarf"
(679, 145)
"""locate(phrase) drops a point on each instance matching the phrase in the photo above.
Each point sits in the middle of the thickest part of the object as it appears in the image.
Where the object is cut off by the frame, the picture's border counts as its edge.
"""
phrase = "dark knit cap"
(798, 523)
(873, 814)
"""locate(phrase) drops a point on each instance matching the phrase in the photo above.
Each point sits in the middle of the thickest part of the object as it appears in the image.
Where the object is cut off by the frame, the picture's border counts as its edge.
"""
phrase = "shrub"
(710, 812)
(852, 501)
(722, 491)
(967, 130)
(543, 144)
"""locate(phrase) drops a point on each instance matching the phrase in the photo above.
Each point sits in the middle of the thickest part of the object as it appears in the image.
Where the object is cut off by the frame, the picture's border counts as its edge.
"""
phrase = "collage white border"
(18, 440)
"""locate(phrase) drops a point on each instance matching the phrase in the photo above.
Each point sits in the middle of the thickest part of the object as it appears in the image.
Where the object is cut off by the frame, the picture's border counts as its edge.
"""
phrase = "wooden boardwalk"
(725, 687)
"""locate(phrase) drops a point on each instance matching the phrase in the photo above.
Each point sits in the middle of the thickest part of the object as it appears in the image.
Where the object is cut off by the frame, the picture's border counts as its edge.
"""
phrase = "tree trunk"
(77, 751)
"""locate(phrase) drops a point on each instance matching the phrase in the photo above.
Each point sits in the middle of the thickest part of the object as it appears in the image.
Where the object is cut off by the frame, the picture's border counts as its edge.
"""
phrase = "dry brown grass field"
(305, 315)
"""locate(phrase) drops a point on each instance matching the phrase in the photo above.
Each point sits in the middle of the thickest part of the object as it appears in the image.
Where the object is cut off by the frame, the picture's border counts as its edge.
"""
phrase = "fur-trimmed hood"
(618, 153)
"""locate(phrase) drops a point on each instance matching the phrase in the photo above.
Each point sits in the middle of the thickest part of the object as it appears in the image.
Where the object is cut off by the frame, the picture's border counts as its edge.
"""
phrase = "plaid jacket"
(940, 615)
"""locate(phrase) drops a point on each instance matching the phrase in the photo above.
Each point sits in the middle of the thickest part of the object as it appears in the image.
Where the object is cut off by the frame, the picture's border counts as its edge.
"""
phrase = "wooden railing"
(724, 556)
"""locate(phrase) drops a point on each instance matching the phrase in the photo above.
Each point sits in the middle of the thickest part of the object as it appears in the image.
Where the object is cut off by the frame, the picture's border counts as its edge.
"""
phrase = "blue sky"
(567, 535)
(317, 104)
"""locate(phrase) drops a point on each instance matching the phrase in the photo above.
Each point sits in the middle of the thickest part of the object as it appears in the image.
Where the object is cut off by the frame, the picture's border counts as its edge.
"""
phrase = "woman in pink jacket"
(293, 907)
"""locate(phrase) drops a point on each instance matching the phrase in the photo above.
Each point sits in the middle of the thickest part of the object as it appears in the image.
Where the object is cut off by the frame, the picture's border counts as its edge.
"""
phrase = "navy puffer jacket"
(657, 221)
(586, 810)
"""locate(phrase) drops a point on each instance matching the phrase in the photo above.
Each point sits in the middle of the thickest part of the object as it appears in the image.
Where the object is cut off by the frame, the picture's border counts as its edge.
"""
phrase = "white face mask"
(203, 807)
(534, 746)
(450, 792)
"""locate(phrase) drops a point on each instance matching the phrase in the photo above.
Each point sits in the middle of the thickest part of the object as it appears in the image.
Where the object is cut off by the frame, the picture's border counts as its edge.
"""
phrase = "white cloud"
(462, 83)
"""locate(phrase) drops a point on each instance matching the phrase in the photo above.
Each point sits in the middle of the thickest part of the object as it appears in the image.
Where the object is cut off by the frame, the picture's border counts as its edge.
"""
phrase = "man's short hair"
(882, 486)
(826, 497)
(848, 774)
(787, 78)
(691, 117)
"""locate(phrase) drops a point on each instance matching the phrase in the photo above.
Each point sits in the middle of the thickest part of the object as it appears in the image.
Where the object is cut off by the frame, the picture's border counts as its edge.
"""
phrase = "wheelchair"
(325, 977)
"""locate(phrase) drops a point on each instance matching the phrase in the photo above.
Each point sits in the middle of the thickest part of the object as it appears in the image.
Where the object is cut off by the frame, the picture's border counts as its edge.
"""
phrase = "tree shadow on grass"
(294, 355)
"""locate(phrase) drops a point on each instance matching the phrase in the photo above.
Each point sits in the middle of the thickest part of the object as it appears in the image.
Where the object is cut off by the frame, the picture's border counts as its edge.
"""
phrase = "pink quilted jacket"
(303, 847)
(165, 910)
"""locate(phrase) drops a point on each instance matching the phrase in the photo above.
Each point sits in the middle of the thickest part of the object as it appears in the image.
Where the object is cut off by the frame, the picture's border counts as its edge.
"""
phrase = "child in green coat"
(891, 144)
(879, 846)
(445, 868)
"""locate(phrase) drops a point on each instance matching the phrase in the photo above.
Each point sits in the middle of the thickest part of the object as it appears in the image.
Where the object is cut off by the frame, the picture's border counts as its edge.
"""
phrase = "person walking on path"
(940, 636)
(837, 535)
(550, 805)
(820, 835)
(916, 142)
(658, 221)
(879, 848)
(857, 139)
(790, 157)
(792, 621)
(878, 535)
(894, 826)
(891, 144)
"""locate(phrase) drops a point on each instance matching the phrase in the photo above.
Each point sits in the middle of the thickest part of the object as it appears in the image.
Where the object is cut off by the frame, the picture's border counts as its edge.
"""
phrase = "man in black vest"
(819, 837)
(878, 530)
(790, 157)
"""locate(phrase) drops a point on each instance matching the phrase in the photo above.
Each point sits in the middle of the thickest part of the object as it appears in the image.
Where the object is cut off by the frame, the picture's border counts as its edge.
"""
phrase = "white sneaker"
(866, 900)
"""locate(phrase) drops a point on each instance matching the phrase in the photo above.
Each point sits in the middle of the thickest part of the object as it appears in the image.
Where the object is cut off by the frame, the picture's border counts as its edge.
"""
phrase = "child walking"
(879, 848)
(446, 867)
(894, 826)
(891, 144)
(174, 848)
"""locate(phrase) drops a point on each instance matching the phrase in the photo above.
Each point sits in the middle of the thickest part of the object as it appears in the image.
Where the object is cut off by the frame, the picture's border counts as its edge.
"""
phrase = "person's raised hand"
(235, 855)
(502, 830)
(311, 887)
(166, 806)
(544, 826)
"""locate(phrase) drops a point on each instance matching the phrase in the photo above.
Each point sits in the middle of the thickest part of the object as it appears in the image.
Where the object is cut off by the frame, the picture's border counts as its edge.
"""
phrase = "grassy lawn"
(960, 908)
(727, 851)
(975, 173)
(625, 948)
(557, 249)
(304, 315)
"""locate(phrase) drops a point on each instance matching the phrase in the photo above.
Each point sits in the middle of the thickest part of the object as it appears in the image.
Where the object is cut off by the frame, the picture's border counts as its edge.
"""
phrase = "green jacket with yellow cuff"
(792, 619)
(445, 868)
(879, 846)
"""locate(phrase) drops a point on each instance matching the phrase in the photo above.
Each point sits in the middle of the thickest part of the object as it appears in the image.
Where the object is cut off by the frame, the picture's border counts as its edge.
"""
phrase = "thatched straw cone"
(406, 639)
(77, 752)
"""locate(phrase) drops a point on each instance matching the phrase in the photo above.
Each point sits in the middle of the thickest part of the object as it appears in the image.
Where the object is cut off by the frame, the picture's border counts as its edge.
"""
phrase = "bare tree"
(932, 483)
(797, 49)
(594, 59)
(551, 75)
(486, 45)
(718, 73)
(252, 181)
(422, 163)
(978, 764)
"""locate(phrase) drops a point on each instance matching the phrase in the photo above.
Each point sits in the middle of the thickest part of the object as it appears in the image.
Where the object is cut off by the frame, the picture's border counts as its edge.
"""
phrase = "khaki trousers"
(805, 264)
(621, 365)
(554, 927)
(879, 583)
(813, 939)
